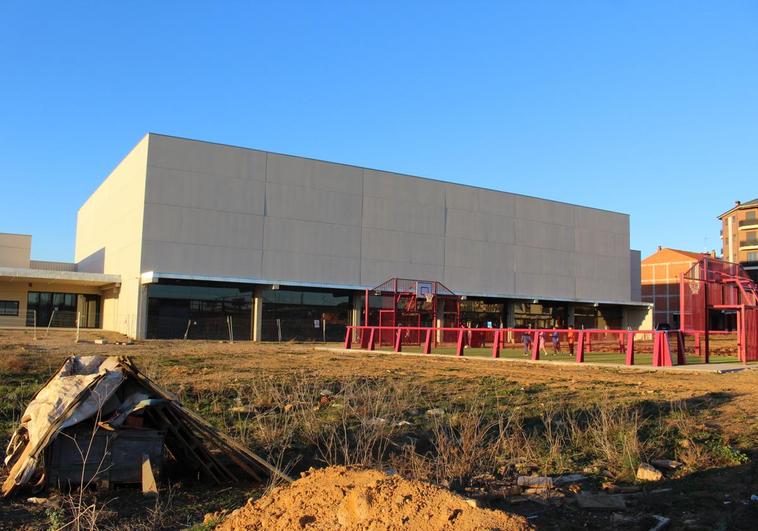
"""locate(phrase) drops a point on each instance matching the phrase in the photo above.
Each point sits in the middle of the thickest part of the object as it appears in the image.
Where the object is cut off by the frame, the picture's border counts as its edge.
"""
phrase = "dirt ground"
(375, 502)
(209, 377)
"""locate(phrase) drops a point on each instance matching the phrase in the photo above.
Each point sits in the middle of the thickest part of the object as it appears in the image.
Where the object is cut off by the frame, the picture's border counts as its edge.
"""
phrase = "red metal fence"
(668, 348)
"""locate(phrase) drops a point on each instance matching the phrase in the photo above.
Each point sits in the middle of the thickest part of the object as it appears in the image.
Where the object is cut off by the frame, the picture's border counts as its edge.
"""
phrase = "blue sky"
(648, 108)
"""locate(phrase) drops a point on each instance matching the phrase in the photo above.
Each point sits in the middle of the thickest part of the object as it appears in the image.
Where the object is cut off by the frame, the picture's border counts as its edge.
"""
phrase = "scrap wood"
(230, 447)
(96, 379)
(23, 465)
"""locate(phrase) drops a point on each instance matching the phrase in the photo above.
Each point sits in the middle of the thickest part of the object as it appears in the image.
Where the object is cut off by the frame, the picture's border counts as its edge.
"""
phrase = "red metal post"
(371, 339)
(740, 330)
(496, 345)
(630, 348)
(428, 341)
(706, 317)
(662, 350)
(459, 346)
(536, 346)
(657, 348)
(348, 337)
(580, 347)
(682, 305)
(680, 358)
(666, 350)
(399, 340)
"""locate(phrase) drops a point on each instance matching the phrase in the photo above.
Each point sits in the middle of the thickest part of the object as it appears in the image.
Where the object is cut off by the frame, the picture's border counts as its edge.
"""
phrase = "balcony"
(746, 245)
(746, 224)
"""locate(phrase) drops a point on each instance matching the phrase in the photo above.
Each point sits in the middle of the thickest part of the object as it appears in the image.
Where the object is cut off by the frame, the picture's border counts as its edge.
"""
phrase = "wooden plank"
(186, 445)
(149, 487)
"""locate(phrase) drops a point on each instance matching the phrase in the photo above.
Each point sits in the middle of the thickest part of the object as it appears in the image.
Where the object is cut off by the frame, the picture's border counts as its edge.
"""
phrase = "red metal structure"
(713, 284)
(668, 347)
(411, 304)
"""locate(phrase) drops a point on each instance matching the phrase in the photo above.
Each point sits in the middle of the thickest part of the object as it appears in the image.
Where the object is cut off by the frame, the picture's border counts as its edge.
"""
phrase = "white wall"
(109, 237)
(218, 210)
(15, 250)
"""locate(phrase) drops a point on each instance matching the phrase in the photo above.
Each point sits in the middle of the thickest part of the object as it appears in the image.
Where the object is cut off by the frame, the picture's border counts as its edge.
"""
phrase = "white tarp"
(80, 390)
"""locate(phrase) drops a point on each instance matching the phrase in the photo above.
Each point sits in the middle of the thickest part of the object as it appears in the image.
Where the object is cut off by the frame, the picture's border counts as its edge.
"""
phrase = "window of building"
(482, 313)
(540, 315)
(9, 308)
(752, 257)
(199, 310)
(305, 314)
(62, 309)
(750, 214)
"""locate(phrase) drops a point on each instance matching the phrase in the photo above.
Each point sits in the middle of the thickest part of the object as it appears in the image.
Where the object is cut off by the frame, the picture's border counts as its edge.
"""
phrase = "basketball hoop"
(428, 297)
(694, 286)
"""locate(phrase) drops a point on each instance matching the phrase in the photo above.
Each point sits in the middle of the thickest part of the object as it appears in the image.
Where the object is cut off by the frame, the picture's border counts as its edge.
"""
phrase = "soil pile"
(339, 498)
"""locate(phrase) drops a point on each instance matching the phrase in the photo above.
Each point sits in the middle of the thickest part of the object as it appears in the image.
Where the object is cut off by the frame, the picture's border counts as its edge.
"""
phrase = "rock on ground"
(647, 472)
(338, 498)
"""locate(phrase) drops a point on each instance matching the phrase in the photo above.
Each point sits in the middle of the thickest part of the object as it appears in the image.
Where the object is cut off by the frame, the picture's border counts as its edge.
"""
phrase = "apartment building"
(739, 236)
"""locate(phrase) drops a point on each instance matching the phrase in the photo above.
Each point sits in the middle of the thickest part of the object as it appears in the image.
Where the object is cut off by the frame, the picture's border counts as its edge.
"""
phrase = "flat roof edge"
(23, 272)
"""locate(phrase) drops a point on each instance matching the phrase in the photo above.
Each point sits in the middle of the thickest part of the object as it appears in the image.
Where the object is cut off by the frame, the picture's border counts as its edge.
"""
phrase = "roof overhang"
(152, 277)
(77, 278)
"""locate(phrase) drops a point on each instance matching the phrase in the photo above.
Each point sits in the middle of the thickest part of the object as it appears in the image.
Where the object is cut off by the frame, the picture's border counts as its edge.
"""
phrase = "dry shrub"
(612, 434)
(14, 364)
(462, 446)
(696, 445)
(359, 422)
(345, 422)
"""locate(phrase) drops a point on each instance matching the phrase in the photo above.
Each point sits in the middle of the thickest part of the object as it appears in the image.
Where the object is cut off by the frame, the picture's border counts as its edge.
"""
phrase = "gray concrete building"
(198, 232)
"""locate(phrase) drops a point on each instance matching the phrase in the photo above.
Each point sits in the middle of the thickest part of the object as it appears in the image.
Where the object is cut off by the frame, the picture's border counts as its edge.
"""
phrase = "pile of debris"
(339, 498)
(101, 419)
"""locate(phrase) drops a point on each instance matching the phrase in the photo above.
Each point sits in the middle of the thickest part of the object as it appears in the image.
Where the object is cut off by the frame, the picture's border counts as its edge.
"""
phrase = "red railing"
(667, 347)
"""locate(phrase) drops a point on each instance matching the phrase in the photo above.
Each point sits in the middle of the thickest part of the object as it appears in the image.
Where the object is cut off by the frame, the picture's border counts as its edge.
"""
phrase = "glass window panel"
(32, 298)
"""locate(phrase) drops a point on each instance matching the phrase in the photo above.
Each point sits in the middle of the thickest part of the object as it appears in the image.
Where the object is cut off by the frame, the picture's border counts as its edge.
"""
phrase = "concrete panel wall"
(15, 250)
(109, 236)
(223, 211)
(635, 267)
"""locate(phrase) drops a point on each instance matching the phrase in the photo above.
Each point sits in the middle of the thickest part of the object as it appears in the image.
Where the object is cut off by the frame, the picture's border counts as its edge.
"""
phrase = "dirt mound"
(339, 498)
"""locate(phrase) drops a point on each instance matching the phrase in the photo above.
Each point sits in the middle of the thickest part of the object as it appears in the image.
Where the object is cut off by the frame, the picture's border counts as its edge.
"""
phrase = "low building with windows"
(201, 240)
(39, 293)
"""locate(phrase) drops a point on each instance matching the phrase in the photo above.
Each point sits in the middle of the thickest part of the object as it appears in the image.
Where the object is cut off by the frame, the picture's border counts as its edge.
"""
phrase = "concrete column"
(570, 315)
(356, 316)
(141, 317)
(257, 313)
(510, 316)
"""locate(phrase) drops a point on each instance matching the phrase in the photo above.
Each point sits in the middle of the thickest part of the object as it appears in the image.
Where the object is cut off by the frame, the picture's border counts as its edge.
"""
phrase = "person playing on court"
(570, 337)
(527, 340)
(543, 350)
(555, 336)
